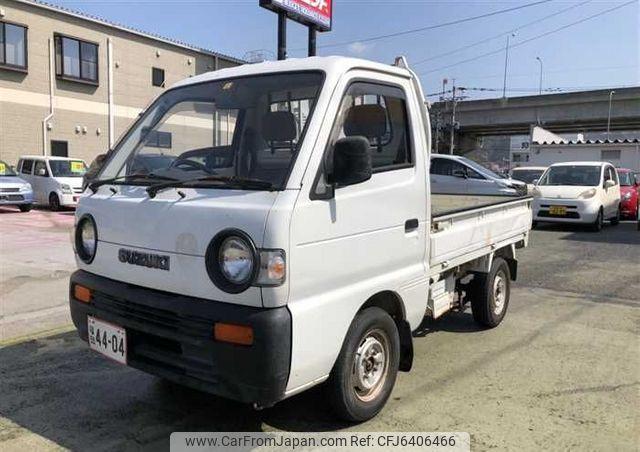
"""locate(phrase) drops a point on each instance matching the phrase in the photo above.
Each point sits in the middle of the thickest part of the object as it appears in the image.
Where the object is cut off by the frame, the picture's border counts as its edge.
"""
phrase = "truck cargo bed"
(466, 227)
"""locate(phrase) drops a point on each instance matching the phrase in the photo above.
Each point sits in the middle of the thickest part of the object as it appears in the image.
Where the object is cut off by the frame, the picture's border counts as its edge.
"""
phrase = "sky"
(600, 52)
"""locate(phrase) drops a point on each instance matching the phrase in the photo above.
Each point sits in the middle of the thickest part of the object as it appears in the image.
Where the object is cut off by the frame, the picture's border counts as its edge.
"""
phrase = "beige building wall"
(81, 110)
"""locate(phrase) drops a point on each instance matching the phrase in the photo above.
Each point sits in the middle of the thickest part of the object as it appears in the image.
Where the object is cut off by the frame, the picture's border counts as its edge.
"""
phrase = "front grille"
(78, 190)
(546, 214)
(9, 190)
(11, 197)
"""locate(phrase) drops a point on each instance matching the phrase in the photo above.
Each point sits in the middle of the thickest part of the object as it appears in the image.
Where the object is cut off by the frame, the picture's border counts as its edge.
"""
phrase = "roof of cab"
(46, 157)
(325, 64)
(579, 164)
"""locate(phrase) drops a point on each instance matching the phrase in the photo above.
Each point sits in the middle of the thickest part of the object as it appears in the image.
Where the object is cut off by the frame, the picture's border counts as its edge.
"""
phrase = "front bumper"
(629, 208)
(69, 200)
(16, 198)
(171, 336)
(577, 210)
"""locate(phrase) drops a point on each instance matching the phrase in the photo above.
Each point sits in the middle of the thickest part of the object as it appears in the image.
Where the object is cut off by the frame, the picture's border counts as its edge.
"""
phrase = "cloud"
(358, 48)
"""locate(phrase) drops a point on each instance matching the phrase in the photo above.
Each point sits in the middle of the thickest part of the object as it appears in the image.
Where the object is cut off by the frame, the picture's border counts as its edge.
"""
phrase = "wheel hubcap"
(371, 365)
(499, 292)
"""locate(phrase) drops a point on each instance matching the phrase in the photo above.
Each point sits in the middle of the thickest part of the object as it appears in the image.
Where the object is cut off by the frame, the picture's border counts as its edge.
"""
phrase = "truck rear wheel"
(490, 293)
(364, 374)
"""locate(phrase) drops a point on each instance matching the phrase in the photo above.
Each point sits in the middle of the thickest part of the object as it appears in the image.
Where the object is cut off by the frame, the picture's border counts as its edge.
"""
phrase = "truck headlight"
(66, 189)
(25, 188)
(587, 194)
(86, 239)
(626, 196)
(231, 261)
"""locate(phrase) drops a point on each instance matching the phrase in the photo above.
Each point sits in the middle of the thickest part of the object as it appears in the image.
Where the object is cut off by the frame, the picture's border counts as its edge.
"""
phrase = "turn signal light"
(235, 334)
(82, 293)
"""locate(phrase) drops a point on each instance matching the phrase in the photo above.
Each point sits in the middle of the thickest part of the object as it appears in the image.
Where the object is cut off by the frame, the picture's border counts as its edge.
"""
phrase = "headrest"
(365, 120)
(279, 126)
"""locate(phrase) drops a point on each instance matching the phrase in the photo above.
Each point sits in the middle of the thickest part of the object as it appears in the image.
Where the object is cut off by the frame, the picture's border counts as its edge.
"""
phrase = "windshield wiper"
(93, 186)
(231, 180)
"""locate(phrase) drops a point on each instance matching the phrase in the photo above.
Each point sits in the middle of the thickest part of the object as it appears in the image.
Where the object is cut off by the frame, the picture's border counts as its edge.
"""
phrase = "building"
(546, 148)
(70, 84)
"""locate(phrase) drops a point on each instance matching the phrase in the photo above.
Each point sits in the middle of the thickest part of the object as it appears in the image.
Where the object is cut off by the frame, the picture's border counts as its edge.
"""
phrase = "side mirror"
(535, 181)
(351, 161)
(460, 173)
(609, 183)
(42, 172)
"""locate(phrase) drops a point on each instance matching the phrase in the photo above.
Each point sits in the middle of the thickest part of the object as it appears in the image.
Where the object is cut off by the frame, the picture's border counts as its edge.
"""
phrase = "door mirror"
(609, 183)
(535, 181)
(351, 161)
(459, 173)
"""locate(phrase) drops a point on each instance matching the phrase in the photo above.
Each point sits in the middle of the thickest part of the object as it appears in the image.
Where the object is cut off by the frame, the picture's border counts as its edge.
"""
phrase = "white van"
(56, 181)
(302, 246)
(578, 192)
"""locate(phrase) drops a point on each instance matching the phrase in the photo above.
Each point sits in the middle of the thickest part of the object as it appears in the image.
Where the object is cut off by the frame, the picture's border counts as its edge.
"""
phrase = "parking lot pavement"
(36, 260)
(561, 372)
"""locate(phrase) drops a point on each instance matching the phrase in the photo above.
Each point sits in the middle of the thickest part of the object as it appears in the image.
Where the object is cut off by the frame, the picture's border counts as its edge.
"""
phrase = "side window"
(378, 113)
(41, 169)
(27, 166)
(446, 167)
(614, 175)
(473, 174)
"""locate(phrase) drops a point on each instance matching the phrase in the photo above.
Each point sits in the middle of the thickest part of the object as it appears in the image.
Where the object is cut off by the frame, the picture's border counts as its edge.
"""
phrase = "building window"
(13, 46)
(612, 156)
(59, 148)
(76, 60)
(158, 139)
(157, 77)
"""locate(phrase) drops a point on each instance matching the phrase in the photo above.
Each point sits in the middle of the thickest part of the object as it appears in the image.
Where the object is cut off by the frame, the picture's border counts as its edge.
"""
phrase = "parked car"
(454, 174)
(578, 192)
(629, 193)
(141, 164)
(528, 174)
(14, 191)
(56, 181)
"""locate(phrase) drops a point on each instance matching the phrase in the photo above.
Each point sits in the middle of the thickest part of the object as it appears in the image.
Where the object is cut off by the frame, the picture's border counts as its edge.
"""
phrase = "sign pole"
(282, 35)
(312, 40)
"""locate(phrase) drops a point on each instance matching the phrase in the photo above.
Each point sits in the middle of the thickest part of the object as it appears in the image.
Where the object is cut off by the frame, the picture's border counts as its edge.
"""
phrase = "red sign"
(307, 12)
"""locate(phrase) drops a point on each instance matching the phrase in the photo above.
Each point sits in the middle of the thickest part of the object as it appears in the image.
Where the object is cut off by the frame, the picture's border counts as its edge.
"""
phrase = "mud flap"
(406, 346)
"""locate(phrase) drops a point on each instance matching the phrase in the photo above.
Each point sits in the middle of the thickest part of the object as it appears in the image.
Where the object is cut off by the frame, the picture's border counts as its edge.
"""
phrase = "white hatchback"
(56, 181)
(578, 192)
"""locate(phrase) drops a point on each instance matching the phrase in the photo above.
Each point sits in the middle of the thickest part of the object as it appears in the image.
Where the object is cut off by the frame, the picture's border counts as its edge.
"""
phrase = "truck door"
(355, 241)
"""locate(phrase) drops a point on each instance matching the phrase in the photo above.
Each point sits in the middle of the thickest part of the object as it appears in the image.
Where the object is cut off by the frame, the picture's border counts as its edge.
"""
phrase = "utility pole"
(611, 93)
(540, 61)
(506, 62)
(439, 116)
(282, 36)
(453, 118)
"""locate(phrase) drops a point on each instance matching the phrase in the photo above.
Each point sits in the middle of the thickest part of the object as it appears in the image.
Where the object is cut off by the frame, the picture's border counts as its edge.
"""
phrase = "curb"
(38, 335)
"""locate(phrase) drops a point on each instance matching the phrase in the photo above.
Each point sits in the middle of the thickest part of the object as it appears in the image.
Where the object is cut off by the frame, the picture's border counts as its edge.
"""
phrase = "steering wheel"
(195, 166)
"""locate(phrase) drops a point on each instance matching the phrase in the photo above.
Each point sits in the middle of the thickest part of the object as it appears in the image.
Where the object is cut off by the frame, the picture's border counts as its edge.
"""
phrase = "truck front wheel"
(490, 294)
(364, 374)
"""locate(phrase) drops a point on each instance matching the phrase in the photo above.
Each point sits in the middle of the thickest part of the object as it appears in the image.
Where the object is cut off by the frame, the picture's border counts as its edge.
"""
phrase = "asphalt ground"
(562, 372)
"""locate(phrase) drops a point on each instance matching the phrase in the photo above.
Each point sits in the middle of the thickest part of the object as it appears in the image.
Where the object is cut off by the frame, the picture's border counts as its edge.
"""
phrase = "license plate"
(558, 210)
(108, 339)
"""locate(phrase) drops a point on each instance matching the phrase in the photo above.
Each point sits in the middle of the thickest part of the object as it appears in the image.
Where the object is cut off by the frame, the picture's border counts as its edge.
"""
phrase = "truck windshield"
(584, 176)
(5, 169)
(67, 168)
(248, 128)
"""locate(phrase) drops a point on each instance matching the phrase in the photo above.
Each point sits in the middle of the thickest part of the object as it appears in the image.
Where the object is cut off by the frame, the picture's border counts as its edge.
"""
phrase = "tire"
(365, 372)
(54, 202)
(25, 207)
(615, 221)
(597, 225)
(490, 294)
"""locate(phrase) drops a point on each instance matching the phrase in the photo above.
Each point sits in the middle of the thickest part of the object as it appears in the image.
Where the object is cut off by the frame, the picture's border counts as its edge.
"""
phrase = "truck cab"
(290, 240)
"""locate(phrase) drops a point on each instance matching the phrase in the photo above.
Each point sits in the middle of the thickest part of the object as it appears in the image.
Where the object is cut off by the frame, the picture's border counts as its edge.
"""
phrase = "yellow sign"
(3, 168)
(77, 167)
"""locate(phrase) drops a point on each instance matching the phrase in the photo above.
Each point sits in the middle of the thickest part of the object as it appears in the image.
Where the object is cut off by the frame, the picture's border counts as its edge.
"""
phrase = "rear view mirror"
(609, 183)
(351, 161)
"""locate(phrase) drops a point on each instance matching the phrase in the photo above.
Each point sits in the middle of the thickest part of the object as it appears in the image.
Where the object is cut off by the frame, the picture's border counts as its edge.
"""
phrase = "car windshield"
(578, 175)
(526, 176)
(486, 172)
(6, 170)
(626, 179)
(67, 168)
(248, 128)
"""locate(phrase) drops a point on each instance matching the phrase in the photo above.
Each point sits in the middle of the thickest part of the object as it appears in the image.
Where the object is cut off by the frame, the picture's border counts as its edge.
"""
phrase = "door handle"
(411, 225)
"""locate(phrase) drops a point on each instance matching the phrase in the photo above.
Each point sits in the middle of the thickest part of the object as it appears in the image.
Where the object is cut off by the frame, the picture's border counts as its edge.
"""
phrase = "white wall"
(547, 155)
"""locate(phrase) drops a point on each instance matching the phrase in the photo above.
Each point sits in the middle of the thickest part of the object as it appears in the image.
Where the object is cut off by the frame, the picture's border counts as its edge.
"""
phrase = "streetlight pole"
(506, 62)
(611, 93)
(540, 61)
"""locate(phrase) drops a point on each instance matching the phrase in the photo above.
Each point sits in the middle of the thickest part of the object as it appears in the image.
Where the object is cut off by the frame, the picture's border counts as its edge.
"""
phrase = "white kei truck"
(290, 241)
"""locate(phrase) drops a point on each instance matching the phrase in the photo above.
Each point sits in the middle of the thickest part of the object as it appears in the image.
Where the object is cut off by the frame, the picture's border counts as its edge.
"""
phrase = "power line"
(460, 49)
(433, 27)
(564, 27)
(533, 90)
